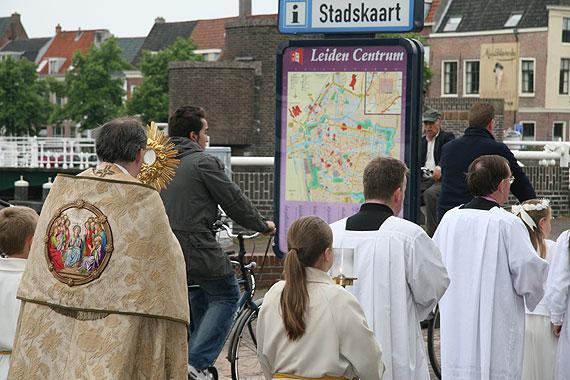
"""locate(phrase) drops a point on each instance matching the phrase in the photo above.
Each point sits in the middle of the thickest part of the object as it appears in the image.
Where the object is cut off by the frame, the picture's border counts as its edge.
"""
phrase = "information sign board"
(340, 104)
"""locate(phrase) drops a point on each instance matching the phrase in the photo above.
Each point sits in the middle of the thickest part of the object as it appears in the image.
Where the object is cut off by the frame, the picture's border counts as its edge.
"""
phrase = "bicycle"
(433, 345)
(242, 338)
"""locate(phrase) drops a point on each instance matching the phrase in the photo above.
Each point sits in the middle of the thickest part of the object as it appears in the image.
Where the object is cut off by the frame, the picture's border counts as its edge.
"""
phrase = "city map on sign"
(336, 123)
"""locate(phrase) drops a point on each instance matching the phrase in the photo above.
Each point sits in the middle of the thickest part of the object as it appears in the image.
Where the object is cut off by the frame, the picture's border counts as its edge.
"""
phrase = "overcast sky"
(123, 18)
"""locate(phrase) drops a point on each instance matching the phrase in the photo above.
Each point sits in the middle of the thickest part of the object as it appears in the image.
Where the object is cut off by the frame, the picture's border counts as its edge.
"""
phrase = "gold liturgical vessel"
(342, 270)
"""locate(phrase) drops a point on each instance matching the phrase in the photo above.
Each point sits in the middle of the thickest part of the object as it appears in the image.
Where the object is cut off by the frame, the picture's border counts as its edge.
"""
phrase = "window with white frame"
(564, 76)
(452, 24)
(527, 76)
(53, 66)
(449, 78)
(471, 77)
(528, 130)
(566, 29)
(559, 131)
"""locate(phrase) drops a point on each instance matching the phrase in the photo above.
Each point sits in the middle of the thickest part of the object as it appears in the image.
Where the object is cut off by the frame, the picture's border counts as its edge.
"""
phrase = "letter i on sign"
(296, 13)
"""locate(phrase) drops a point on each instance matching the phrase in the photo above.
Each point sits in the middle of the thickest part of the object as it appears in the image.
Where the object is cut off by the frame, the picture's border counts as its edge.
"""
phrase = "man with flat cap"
(433, 139)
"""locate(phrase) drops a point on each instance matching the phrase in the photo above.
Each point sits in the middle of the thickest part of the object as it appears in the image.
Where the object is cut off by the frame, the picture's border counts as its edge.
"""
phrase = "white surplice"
(337, 341)
(400, 278)
(493, 269)
(10, 274)
(556, 298)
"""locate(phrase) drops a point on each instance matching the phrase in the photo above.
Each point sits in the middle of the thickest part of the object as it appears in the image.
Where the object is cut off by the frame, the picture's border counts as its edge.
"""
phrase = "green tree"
(24, 106)
(94, 93)
(150, 100)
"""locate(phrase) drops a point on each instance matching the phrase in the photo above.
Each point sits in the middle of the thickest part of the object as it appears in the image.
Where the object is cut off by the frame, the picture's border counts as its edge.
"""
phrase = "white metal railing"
(79, 153)
(73, 153)
(46, 152)
(552, 151)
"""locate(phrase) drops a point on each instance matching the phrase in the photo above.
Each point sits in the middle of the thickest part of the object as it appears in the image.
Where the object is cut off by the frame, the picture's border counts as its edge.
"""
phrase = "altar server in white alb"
(494, 270)
(558, 303)
(17, 226)
(400, 275)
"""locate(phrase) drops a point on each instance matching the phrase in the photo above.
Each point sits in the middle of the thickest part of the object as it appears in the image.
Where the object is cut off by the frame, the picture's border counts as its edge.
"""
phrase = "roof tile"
(65, 44)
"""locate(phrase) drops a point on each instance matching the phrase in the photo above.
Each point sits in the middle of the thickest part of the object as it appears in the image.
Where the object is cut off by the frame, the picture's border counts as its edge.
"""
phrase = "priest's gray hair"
(120, 139)
(485, 173)
(382, 177)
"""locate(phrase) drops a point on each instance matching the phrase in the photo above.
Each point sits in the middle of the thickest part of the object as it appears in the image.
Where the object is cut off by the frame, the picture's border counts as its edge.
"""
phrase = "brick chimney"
(159, 20)
(15, 17)
(57, 29)
(244, 8)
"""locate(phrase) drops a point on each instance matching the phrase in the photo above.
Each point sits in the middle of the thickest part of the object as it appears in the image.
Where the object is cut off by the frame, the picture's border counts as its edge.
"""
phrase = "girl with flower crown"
(539, 341)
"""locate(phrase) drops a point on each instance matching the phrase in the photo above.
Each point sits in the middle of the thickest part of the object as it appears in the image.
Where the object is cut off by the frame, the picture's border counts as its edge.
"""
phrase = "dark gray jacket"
(191, 202)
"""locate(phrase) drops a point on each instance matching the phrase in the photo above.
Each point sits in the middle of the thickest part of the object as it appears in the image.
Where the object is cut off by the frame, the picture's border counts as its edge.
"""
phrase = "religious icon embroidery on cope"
(78, 243)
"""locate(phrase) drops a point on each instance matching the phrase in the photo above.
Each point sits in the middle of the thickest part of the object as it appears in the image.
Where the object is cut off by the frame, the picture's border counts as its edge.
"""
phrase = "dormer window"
(513, 20)
(54, 64)
(452, 24)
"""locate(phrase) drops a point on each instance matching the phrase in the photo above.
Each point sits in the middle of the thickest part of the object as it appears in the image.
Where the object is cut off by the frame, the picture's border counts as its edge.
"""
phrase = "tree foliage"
(94, 92)
(150, 99)
(24, 105)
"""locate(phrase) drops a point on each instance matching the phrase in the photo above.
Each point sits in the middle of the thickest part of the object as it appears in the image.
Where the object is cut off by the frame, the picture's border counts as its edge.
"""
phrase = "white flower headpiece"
(521, 210)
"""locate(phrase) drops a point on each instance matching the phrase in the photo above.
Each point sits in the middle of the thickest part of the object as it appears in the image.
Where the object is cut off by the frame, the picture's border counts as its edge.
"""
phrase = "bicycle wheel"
(433, 341)
(243, 347)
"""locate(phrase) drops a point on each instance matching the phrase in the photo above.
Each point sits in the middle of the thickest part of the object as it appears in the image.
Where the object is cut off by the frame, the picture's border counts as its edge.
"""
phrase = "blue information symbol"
(296, 13)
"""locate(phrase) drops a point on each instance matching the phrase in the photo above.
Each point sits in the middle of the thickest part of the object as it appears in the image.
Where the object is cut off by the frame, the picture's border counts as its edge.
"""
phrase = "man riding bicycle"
(191, 202)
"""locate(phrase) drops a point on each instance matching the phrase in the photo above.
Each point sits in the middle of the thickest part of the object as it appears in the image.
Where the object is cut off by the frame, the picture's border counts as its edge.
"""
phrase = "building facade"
(515, 51)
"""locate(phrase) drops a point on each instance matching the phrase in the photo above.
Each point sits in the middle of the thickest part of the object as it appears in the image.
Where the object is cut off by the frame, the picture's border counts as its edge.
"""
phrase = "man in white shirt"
(494, 270)
(433, 140)
(17, 226)
(400, 275)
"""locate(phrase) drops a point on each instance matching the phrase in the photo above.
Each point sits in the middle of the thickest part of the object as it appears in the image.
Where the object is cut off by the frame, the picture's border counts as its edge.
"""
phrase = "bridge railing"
(79, 153)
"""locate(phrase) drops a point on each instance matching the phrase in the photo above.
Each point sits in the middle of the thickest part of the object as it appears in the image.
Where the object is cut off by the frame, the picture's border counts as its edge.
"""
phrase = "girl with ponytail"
(309, 327)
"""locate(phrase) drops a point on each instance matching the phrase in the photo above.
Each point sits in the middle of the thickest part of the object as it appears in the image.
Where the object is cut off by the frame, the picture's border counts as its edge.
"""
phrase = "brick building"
(507, 50)
(11, 29)
(239, 91)
(130, 49)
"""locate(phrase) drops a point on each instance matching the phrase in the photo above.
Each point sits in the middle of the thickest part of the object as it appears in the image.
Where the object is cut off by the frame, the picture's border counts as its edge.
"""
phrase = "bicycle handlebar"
(222, 225)
(5, 204)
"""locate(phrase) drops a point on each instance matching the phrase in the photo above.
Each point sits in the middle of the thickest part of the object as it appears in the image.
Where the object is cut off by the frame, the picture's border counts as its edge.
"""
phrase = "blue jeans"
(212, 306)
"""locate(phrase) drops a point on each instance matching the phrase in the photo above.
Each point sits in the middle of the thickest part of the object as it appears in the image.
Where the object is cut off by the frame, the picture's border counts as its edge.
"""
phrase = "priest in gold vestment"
(104, 292)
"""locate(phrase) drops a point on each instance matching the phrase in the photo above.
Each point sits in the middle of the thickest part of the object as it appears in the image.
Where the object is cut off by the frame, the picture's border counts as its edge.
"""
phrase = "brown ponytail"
(307, 239)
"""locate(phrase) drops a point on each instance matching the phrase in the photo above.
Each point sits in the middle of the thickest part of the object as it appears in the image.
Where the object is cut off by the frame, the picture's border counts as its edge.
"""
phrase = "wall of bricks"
(257, 184)
(257, 40)
(456, 113)
(532, 45)
(231, 99)
(225, 89)
(552, 183)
